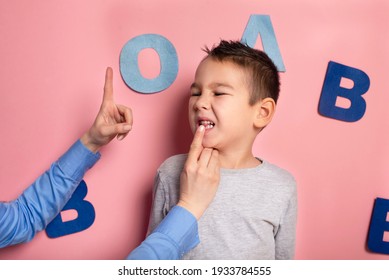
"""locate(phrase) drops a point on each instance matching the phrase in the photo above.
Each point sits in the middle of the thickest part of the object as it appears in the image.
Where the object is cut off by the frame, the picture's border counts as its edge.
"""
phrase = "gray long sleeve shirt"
(253, 215)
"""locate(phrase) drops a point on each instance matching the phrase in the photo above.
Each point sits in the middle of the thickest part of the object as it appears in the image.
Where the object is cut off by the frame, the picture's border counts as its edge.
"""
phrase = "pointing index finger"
(108, 86)
(196, 147)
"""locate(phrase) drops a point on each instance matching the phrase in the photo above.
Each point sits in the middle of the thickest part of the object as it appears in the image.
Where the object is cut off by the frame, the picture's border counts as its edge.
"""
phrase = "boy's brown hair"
(265, 81)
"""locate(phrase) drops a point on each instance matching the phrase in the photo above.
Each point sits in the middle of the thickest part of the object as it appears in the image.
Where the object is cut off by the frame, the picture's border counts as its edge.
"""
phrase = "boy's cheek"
(209, 142)
(192, 126)
(192, 122)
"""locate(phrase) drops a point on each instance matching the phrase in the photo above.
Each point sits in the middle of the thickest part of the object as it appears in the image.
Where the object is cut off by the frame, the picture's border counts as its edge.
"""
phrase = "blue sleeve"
(22, 218)
(175, 236)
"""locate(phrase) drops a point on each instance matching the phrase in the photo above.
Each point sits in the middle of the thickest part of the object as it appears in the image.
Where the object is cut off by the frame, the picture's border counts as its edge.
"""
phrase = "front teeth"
(207, 124)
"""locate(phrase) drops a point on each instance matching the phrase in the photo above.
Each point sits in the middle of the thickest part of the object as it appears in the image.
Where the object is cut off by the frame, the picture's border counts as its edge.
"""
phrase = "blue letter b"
(378, 226)
(332, 90)
(85, 211)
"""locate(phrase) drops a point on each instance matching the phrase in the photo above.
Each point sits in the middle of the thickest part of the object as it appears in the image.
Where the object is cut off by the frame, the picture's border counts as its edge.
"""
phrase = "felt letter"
(332, 91)
(85, 211)
(261, 24)
(379, 226)
(129, 66)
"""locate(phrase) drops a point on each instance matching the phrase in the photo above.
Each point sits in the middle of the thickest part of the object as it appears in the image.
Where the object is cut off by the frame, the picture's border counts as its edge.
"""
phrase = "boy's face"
(220, 101)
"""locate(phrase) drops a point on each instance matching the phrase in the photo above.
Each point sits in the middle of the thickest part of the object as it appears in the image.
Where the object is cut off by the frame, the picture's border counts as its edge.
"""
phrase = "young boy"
(253, 215)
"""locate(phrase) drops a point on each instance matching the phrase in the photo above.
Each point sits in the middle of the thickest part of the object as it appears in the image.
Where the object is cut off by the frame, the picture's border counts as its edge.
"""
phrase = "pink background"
(53, 57)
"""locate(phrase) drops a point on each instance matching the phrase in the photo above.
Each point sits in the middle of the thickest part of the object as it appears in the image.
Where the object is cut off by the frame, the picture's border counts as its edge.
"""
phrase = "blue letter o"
(129, 66)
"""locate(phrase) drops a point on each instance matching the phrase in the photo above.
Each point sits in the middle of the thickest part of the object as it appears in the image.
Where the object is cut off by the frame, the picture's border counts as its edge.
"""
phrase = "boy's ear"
(264, 112)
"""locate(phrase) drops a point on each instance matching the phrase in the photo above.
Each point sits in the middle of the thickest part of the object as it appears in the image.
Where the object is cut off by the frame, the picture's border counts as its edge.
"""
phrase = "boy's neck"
(236, 160)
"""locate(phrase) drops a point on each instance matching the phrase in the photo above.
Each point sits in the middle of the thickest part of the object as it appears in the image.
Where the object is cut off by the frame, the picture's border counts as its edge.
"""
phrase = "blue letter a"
(85, 211)
(261, 24)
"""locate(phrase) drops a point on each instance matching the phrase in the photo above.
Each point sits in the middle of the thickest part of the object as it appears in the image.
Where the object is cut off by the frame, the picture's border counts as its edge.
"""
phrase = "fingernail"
(201, 128)
(120, 137)
(127, 127)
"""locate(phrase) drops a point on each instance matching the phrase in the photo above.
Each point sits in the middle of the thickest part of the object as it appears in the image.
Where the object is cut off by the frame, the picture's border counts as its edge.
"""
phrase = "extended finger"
(205, 157)
(214, 163)
(196, 146)
(108, 85)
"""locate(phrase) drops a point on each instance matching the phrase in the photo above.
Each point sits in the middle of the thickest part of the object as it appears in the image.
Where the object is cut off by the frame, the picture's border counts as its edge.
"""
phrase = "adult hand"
(200, 176)
(113, 120)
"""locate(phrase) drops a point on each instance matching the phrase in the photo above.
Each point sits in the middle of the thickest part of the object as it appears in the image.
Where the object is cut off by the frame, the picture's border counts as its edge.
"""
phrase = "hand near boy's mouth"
(200, 176)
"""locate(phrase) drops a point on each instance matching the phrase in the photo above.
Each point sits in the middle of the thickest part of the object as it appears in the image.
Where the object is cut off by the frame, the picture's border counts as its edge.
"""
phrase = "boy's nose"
(202, 102)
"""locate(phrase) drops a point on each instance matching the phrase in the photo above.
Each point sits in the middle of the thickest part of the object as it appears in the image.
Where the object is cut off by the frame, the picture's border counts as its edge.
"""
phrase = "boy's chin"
(209, 145)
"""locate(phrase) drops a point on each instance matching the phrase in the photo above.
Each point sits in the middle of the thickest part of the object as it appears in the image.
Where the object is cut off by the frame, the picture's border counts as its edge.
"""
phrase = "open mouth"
(207, 124)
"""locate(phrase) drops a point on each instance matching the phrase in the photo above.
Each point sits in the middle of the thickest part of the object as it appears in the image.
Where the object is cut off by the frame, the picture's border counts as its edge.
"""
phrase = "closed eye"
(220, 93)
(195, 94)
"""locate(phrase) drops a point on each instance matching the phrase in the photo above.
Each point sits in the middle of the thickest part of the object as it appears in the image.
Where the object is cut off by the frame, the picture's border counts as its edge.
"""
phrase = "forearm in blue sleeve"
(175, 236)
(22, 218)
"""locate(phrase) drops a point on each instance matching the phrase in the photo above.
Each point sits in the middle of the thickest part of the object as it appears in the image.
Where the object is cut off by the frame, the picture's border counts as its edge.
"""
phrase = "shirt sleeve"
(286, 235)
(175, 236)
(159, 207)
(22, 218)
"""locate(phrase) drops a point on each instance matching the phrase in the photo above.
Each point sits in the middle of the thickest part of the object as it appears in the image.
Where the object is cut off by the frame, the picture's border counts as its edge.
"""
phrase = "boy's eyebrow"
(216, 85)
(194, 85)
(213, 85)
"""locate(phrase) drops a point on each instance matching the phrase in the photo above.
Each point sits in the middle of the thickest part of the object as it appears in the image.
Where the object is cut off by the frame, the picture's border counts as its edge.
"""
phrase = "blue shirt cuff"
(181, 226)
(77, 160)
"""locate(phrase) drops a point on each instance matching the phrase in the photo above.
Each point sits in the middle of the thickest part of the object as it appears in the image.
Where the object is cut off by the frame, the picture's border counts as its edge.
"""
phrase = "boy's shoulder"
(278, 173)
(173, 164)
